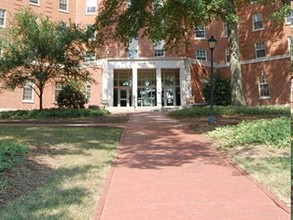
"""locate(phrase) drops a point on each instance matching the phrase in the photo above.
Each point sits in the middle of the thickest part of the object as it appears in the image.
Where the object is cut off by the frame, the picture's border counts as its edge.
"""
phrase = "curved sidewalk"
(166, 172)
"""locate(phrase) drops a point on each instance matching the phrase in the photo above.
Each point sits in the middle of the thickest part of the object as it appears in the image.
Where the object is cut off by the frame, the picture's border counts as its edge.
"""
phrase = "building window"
(90, 55)
(63, 5)
(257, 22)
(28, 92)
(200, 32)
(157, 5)
(264, 91)
(92, 32)
(260, 49)
(2, 17)
(201, 55)
(290, 45)
(35, 2)
(227, 55)
(225, 30)
(91, 6)
(132, 48)
(58, 89)
(289, 19)
(88, 90)
(129, 3)
(159, 49)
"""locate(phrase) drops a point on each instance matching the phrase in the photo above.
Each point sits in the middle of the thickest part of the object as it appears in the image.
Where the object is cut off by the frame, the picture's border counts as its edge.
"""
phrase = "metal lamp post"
(212, 44)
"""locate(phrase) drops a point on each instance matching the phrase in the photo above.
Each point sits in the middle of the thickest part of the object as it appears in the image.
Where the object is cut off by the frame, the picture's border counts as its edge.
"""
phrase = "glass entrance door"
(169, 98)
(170, 87)
(124, 97)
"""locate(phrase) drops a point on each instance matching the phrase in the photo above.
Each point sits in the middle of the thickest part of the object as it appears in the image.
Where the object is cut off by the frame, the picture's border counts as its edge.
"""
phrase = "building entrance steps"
(164, 171)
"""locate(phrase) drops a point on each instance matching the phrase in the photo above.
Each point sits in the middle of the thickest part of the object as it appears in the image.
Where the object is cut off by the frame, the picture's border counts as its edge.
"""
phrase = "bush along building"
(145, 76)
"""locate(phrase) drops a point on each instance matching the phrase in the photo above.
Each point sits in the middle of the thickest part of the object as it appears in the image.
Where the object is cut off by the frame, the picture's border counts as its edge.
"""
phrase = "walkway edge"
(259, 185)
(107, 182)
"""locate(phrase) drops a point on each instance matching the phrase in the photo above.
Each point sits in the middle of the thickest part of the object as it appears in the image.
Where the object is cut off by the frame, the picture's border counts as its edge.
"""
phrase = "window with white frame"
(2, 17)
(225, 30)
(260, 50)
(291, 90)
(58, 89)
(90, 55)
(227, 55)
(200, 32)
(289, 18)
(201, 55)
(290, 45)
(35, 2)
(88, 90)
(159, 49)
(132, 48)
(91, 6)
(28, 92)
(257, 22)
(63, 5)
(263, 86)
(91, 29)
(157, 5)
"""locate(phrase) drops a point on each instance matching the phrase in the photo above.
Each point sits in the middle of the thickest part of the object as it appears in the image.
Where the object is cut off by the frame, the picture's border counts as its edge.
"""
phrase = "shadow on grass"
(52, 200)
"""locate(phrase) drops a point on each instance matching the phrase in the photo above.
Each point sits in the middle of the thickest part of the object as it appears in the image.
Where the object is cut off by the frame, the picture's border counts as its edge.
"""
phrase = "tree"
(40, 51)
(174, 21)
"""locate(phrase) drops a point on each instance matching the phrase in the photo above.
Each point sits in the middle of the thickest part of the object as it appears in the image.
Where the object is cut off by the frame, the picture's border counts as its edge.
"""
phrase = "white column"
(185, 82)
(134, 87)
(159, 87)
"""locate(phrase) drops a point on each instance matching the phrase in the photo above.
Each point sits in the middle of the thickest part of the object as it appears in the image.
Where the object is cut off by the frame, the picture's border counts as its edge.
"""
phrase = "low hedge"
(230, 110)
(52, 113)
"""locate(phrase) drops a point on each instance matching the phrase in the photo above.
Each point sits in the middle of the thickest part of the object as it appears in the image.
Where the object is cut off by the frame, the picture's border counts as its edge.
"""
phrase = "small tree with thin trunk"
(39, 51)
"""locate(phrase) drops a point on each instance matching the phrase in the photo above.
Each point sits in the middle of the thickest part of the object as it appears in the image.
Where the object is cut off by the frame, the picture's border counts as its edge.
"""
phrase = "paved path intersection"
(166, 172)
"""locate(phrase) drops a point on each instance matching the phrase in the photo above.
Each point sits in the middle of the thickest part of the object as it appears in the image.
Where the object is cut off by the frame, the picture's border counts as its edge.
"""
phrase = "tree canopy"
(38, 50)
(174, 21)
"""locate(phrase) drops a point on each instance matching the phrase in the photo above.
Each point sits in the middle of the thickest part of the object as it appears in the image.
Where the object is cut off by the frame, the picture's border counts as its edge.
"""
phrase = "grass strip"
(84, 157)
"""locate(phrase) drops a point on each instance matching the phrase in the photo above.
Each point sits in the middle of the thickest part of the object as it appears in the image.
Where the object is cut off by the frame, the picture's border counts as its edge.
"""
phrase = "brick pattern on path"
(165, 171)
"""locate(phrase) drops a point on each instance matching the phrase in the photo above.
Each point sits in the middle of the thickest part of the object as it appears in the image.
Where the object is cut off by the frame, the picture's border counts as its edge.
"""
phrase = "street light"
(212, 44)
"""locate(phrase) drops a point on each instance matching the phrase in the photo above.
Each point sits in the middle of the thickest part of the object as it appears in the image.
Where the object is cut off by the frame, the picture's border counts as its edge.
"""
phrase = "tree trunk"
(41, 98)
(237, 94)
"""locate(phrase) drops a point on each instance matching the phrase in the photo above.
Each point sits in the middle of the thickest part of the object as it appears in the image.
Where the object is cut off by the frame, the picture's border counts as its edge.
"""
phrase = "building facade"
(147, 77)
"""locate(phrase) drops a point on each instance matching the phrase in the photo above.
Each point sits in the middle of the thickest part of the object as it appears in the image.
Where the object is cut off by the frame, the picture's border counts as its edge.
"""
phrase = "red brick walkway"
(166, 172)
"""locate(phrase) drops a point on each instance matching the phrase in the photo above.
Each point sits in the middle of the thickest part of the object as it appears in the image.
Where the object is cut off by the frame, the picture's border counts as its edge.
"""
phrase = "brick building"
(147, 77)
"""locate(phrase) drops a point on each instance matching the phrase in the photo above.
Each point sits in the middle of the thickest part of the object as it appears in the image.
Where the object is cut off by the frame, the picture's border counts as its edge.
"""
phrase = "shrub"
(52, 113)
(222, 91)
(71, 96)
(231, 110)
(11, 154)
(274, 133)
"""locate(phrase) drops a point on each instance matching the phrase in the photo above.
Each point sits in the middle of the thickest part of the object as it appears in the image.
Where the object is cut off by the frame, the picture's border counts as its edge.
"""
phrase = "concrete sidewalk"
(166, 172)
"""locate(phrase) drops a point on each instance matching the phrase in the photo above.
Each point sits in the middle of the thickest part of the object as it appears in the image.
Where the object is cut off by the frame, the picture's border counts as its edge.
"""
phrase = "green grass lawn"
(262, 148)
(84, 157)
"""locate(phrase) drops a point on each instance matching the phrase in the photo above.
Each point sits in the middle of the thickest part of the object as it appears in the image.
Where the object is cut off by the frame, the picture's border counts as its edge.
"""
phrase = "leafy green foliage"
(52, 113)
(274, 133)
(11, 155)
(230, 110)
(72, 96)
(41, 51)
(222, 91)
